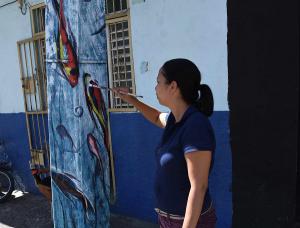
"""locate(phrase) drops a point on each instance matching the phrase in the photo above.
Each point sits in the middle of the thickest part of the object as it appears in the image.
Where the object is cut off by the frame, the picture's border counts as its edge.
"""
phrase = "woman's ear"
(174, 88)
(173, 85)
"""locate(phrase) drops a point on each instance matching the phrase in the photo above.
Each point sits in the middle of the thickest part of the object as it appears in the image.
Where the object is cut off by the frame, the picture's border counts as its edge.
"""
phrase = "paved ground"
(32, 211)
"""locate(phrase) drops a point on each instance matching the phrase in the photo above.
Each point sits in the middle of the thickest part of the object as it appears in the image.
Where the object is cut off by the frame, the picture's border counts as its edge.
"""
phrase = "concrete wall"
(193, 29)
(14, 27)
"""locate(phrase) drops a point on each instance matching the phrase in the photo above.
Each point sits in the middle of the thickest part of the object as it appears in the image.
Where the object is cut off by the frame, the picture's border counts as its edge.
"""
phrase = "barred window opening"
(113, 6)
(120, 54)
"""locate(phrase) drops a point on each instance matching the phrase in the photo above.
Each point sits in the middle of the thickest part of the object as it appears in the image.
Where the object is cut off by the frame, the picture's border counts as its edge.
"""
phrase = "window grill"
(113, 6)
(121, 66)
(32, 54)
(38, 18)
(33, 77)
(121, 73)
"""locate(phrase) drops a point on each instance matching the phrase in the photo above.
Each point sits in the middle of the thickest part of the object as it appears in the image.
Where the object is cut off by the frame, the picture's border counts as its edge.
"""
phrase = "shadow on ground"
(34, 211)
(25, 211)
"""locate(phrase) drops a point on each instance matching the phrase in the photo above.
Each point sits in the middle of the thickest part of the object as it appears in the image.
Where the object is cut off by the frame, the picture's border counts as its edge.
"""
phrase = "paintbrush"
(122, 92)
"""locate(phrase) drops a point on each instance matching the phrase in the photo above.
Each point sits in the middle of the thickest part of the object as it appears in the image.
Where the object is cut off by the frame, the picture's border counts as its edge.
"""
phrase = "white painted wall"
(193, 29)
(13, 27)
(161, 30)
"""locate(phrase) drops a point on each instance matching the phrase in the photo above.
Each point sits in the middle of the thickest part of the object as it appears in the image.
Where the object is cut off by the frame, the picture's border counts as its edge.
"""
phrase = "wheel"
(6, 185)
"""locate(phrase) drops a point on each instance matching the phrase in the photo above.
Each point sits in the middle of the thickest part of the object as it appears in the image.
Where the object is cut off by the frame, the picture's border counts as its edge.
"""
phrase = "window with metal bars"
(32, 53)
(121, 73)
(38, 19)
(113, 6)
(39, 50)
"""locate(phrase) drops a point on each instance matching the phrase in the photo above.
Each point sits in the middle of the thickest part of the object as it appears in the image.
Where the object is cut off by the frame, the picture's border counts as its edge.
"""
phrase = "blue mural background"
(79, 156)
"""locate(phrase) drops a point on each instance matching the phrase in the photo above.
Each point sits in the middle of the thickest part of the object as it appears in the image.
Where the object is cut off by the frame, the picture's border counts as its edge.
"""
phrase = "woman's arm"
(198, 164)
(153, 115)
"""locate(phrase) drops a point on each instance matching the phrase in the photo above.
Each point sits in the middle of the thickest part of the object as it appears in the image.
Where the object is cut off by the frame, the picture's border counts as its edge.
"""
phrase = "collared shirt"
(192, 133)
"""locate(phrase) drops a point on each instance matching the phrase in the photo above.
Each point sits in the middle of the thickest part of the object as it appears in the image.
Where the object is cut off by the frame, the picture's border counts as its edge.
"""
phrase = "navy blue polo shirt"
(192, 133)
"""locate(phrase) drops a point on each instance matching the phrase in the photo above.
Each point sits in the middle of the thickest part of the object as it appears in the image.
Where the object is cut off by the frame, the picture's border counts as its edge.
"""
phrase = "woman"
(185, 154)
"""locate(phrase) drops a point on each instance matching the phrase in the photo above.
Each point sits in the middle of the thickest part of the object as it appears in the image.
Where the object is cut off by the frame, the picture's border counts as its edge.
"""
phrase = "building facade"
(151, 32)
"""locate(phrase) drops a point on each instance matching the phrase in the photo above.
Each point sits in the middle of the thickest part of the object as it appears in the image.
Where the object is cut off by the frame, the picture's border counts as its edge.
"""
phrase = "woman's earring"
(199, 94)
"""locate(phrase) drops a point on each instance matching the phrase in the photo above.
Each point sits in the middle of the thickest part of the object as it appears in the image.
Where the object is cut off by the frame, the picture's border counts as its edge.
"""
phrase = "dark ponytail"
(205, 103)
(188, 77)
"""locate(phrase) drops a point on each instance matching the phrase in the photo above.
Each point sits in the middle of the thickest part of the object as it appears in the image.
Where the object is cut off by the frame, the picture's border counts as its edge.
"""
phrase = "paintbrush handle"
(130, 94)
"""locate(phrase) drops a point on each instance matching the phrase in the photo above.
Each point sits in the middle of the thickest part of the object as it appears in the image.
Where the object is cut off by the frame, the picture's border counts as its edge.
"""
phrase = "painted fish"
(94, 149)
(63, 133)
(69, 65)
(99, 30)
(70, 186)
(96, 105)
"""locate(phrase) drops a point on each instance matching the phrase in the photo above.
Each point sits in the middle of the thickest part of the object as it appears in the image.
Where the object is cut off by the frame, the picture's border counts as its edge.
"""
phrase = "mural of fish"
(69, 63)
(70, 186)
(99, 30)
(94, 149)
(63, 133)
(96, 105)
(76, 40)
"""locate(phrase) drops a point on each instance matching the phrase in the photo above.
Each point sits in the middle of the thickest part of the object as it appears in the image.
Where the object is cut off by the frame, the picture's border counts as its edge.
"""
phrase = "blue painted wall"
(134, 140)
(13, 132)
(221, 175)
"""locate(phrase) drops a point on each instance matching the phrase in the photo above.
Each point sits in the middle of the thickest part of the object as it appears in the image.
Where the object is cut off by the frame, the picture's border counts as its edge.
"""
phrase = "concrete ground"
(34, 211)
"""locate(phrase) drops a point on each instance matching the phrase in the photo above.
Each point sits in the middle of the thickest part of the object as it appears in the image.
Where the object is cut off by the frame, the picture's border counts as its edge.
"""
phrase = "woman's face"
(162, 89)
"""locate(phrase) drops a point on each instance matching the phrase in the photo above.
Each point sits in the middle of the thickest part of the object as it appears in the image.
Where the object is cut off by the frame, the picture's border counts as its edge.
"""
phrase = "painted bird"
(68, 62)
(96, 105)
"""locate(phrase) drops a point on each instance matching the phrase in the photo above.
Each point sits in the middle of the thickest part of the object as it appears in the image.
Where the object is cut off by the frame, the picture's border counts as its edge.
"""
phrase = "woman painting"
(184, 155)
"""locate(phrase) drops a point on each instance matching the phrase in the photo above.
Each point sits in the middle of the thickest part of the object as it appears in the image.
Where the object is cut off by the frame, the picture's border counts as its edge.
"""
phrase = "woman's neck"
(178, 110)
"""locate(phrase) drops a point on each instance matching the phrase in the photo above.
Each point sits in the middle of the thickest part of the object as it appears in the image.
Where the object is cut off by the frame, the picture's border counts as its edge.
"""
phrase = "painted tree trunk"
(76, 57)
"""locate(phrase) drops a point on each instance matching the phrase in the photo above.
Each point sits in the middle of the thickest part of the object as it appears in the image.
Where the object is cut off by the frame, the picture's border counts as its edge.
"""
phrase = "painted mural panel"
(78, 122)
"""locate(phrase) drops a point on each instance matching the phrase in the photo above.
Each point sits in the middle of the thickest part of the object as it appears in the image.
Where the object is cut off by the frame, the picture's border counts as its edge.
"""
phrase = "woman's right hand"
(122, 92)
